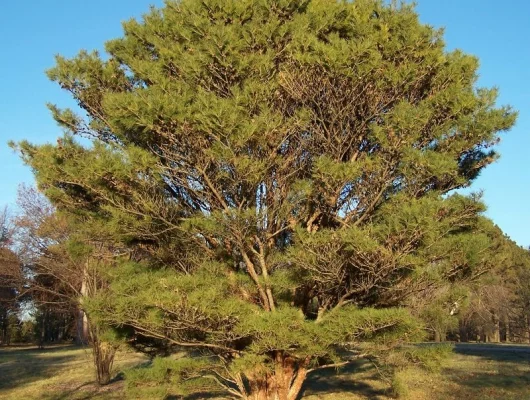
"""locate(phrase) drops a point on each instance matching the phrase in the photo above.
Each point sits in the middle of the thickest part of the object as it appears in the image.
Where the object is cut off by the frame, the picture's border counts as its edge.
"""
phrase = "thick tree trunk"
(285, 383)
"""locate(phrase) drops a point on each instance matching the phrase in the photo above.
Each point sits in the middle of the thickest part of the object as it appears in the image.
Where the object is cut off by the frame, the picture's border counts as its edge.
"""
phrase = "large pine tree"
(281, 172)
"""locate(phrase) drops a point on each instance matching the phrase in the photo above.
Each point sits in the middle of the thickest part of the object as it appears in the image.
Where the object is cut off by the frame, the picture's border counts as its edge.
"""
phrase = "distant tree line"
(493, 308)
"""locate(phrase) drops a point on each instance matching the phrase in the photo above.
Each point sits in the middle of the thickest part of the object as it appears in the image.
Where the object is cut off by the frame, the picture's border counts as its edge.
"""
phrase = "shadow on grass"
(21, 366)
(486, 380)
(327, 382)
(349, 379)
(490, 371)
(494, 352)
(487, 385)
(68, 394)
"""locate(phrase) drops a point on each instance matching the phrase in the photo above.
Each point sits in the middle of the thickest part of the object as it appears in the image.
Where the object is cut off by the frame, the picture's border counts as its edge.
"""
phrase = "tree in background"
(522, 302)
(499, 307)
(9, 276)
(278, 174)
(61, 266)
(489, 307)
(478, 304)
(53, 277)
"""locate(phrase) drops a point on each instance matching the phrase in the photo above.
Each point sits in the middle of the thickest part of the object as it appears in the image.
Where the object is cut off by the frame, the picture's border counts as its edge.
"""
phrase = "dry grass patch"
(59, 372)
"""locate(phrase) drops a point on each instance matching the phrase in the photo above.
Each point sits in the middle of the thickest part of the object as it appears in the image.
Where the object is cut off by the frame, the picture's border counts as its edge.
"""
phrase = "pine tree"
(282, 175)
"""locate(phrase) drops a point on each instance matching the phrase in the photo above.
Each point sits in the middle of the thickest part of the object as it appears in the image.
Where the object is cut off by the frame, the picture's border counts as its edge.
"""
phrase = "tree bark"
(463, 334)
(527, 330)
(507, 332)
(439, 336)
(82, 320)
(495, 335)
(82, 327)
(103, 354)
(285, 383)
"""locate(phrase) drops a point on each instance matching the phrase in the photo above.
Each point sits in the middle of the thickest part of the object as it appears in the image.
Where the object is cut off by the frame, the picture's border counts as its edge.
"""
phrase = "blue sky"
(33, 31)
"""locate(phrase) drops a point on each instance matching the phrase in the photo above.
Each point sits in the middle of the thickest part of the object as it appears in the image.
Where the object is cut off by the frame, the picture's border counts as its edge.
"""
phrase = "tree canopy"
(278, 177)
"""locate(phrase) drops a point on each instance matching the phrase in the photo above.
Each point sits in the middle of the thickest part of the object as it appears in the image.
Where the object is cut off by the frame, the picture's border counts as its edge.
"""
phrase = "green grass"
(473, 373)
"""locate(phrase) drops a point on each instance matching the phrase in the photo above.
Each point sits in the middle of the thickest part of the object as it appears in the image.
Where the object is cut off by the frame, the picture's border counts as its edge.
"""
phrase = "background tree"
(479, 304)
(9, 276)
(53, 278)
(502, 302)
(62, 270)
(280, 173)
(521, 322)
(493, 309)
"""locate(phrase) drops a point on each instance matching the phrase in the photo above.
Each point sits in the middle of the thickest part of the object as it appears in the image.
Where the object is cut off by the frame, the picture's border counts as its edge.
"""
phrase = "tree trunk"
(82, 320)
(495, 334)
(103, 354)
(285, 383)
(42, 336)
(463, 333)
(3, 318)
(527, 330)
(439, 335)
(82, 327)
(507, 332)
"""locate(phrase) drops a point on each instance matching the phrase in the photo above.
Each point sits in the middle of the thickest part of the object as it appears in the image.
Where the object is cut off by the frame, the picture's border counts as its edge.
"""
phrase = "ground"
(474, 372)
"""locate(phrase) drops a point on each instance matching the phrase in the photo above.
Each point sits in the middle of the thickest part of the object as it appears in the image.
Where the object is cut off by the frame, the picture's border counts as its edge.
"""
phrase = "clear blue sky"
(32, 31)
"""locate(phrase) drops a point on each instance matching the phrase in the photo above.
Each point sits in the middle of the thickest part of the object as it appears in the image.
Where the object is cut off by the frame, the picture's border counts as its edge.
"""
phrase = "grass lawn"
(58, 373)
(478, 372)
(473, 373)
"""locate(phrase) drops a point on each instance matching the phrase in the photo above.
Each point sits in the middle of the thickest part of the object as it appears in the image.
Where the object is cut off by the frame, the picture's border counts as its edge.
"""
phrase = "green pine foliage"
(280, 174)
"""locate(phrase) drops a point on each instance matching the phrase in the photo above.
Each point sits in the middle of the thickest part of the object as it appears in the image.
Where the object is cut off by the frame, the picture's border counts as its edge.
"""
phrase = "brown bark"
(494, 335)
(439, 336)
(285, 383)
(103, 354)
